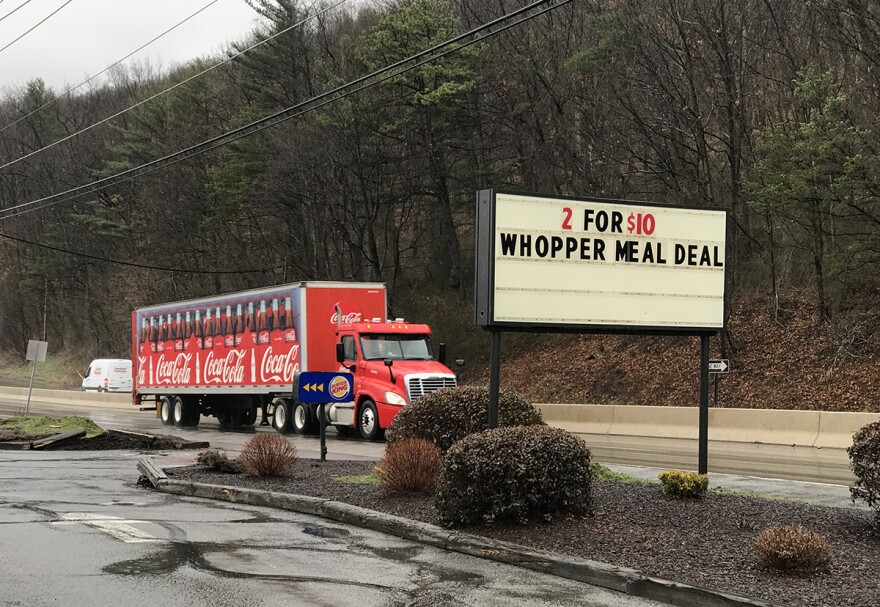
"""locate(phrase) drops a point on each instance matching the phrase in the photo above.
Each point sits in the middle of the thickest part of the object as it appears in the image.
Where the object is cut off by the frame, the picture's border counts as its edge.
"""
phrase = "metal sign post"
(36, 352)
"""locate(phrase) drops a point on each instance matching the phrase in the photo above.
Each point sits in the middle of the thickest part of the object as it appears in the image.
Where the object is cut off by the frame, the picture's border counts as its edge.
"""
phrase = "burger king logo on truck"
(340, 388)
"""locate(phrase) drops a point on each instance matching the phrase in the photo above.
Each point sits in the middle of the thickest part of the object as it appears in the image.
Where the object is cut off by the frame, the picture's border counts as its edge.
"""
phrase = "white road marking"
(121, 529)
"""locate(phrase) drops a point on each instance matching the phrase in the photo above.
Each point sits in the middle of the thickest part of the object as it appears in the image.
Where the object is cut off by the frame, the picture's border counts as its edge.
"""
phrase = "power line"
(109, 67)
(131, 263)
(372, 79)
(50, 15)
(15, 10)
(170, 88)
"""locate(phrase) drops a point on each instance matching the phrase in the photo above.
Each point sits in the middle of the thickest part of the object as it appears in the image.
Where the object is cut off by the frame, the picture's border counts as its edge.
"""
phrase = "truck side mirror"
(389, 363)
(340, 352)
(441, 354)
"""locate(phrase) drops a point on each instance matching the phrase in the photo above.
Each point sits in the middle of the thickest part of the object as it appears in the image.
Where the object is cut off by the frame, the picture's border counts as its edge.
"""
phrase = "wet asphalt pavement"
(75, 529)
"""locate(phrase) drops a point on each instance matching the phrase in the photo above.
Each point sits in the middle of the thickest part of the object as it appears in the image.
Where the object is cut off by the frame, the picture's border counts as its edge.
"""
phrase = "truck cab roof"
(386, 327)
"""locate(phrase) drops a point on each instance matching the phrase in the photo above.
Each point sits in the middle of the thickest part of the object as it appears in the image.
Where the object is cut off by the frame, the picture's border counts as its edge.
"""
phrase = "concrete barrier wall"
(781, 427)
(121, 400)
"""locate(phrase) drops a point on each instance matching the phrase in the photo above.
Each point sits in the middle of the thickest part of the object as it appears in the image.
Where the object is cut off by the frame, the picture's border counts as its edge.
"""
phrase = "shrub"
(218, 462)
(268, 454)
(448, 415)
(864, 455)
(514, 473)
(793, 548)
(412, 464)
(679, 483)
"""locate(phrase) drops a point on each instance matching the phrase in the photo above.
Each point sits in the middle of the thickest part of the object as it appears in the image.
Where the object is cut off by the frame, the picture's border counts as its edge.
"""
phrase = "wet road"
(76, 530)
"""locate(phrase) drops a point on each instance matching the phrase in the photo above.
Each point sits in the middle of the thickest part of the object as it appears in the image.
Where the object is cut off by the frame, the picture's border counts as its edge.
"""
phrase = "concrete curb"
(621, 579)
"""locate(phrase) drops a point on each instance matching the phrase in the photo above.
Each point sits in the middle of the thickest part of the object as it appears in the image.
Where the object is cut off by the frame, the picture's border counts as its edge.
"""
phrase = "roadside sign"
(322, 387)
(36, 350)
(719, 365)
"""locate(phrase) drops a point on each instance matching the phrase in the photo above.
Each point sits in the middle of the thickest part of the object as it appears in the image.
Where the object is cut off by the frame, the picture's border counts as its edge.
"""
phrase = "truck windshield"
(395, 346)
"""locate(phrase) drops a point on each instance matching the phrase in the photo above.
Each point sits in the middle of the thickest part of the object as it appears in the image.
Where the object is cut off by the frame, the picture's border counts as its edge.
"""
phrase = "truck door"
(349, 346)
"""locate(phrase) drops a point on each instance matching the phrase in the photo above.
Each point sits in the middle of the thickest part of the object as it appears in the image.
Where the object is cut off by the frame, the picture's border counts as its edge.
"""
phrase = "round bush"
(448, 415)
(412, 464)
(864, 456)
(268, 454)
(514, 473)
(793, 548)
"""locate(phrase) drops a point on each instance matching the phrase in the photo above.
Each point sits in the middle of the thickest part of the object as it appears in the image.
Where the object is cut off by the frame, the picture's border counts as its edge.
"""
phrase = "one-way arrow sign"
(719, 365)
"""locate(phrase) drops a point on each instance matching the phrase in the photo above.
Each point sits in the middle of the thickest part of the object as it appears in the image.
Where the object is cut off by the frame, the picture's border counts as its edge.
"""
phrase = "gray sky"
(88, 35)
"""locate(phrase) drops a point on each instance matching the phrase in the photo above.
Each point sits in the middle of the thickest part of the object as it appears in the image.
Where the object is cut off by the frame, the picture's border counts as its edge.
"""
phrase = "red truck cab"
(392, 363)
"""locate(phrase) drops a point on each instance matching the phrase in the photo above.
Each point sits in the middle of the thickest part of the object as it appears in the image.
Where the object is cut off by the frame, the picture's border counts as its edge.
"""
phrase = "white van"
(108, 375)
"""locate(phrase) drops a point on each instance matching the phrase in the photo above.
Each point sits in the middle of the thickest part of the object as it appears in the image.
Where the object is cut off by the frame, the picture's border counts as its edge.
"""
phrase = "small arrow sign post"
(719, 365)
(320, 388)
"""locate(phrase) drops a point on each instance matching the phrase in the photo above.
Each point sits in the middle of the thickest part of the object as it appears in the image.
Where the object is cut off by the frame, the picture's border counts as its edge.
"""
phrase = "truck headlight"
(393, 398)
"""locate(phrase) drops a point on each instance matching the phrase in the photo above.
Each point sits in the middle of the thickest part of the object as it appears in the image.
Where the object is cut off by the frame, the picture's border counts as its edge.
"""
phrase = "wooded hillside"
(767, 109)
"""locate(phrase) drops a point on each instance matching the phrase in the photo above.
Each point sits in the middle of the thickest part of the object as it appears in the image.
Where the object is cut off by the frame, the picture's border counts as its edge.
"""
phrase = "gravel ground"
(708, 542)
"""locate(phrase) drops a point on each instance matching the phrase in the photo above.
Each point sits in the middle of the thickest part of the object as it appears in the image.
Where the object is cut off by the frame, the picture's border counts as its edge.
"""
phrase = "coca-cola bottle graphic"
(229, 328)
(187, 330)
(160, 334)
(219, 329)
(262, 327)
(289, 332)
(250, 329)
(208, 331)
(197, 330)
(178, 333)
(273, 323)
(169, 333)
(154, 334)
(142, 335)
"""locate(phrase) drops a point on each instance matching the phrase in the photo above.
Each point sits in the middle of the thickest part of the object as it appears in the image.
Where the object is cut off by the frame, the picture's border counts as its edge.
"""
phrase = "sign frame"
(485, 273)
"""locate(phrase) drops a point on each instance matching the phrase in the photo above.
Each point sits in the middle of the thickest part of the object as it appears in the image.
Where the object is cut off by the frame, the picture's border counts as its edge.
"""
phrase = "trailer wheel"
(243, 417)
(368, 421)
(281, 415)
(178, 411)
(191, 416)
(301, 420)
(224, 418)
(165, 411)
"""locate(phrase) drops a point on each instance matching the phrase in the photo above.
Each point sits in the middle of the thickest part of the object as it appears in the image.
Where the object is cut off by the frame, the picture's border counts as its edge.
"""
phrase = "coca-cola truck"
(228, 356)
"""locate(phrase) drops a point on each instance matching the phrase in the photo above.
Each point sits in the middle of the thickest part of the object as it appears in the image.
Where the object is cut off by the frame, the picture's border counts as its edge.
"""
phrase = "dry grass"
(793, 549)
(268, 455)
(411, 464)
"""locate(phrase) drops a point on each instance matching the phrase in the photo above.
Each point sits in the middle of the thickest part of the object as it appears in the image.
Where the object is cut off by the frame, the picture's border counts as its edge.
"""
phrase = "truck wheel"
(178, 411)
(368, 421)
(165, 411)
(301, 420)
(190, 413)
(243, 417)
(224, 418)
(281, 416)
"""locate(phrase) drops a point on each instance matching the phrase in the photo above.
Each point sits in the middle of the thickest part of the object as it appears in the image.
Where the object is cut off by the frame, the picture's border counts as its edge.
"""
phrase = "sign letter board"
(564, 264)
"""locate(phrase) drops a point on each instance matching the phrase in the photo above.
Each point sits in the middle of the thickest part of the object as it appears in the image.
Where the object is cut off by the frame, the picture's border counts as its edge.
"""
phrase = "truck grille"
(419, 386)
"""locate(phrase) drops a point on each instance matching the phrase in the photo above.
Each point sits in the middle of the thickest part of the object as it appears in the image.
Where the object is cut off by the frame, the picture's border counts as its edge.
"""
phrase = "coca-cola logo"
(279, 367)
(347, 318)
(175, 371)
(142, 370)
(226, 370)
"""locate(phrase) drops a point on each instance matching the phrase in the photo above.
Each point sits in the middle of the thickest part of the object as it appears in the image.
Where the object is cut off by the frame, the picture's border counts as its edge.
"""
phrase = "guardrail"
(823, 429)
